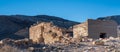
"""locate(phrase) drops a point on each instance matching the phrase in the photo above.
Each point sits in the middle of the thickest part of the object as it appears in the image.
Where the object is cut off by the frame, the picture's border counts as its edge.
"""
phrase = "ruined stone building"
(96, 29)
(118, 30)
(46, 33)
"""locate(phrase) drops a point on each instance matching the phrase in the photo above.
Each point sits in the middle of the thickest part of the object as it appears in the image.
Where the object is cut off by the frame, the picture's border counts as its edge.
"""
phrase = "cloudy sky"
(75, 10)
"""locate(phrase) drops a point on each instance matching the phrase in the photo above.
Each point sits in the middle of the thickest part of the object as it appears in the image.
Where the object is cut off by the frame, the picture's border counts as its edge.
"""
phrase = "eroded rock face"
(46, 33)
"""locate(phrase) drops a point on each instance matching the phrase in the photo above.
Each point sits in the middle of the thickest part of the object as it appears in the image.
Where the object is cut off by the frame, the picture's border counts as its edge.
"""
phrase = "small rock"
(98, 42)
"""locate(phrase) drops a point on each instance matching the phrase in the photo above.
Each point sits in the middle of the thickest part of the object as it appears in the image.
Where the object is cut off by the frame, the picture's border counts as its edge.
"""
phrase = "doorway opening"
(103, 35)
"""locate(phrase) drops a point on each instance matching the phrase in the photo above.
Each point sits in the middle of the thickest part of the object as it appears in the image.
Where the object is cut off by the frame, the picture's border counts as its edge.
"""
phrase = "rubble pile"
(110, 45)
(104, 45)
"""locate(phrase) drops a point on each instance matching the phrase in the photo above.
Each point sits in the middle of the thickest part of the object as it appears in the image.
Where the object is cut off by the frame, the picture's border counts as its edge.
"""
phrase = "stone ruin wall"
(49, 33)
(118, 31)
(80, 30)
(46, 33)
(95, 27)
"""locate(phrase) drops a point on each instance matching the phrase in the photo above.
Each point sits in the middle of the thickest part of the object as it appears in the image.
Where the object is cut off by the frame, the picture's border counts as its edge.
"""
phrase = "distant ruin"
(96, 29)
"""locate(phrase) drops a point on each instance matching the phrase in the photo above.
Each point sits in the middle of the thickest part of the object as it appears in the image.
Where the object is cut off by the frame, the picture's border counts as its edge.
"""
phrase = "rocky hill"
(115, 18)
(17, 26)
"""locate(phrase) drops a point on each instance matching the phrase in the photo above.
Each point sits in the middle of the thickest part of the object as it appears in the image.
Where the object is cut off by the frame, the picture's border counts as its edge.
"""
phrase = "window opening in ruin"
(103, 35)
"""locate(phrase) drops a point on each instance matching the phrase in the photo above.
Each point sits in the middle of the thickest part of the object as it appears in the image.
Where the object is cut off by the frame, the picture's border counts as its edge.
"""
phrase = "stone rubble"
(110, 45)
(48, 33)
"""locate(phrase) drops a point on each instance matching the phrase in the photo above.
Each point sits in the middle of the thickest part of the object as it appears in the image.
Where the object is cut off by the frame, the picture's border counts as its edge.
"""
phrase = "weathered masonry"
(46, 33)
(96, 29)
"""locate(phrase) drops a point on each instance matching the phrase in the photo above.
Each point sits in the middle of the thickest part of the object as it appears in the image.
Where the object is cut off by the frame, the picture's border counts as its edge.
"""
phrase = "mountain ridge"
(115, 18)
(12, 25)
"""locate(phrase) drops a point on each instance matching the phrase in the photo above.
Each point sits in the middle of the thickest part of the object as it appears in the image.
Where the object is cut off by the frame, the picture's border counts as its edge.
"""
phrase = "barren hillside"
(17, 26)
(115, 18)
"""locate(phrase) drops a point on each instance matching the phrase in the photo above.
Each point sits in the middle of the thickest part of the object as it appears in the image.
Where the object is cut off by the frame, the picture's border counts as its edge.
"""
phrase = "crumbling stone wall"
(93, 28)
(46, 33)
(118, 31)
(80, 30)
(96, 27)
